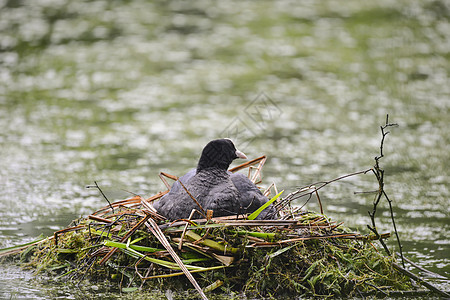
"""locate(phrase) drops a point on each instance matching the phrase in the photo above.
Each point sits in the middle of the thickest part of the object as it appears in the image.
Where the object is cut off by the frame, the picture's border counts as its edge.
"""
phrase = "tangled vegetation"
(305, 254)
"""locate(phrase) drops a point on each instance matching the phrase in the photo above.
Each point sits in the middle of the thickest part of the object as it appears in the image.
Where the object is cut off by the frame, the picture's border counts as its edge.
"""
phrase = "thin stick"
(247, 164)
(99, 219)
(103, 194)
(163, 240)
(203, 212)
(258, 170)
(180, 244)
(161, 174)
(133, 200)
(423, 269)
(342, 235)
(157, 196)
(320, 202)
(56, 233)
(150, 209)
(267, 191)
(421, 281)
(173, 177)
(395, 227)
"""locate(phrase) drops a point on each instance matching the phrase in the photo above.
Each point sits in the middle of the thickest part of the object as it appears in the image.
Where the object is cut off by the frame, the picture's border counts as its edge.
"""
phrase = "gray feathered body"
(223, 192)
(212, 188)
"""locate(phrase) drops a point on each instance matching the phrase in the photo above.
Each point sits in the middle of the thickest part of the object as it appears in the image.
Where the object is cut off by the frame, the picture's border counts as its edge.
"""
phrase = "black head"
(219, 154)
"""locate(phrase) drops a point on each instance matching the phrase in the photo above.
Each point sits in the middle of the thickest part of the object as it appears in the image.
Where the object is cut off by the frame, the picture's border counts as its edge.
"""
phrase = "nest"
(301, 253)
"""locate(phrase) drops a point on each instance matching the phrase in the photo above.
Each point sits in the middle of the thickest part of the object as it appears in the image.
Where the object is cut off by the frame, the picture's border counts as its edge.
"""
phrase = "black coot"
(214, 187)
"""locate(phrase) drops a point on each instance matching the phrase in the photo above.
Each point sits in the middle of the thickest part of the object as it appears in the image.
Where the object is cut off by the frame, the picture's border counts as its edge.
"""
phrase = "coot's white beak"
(240, 154)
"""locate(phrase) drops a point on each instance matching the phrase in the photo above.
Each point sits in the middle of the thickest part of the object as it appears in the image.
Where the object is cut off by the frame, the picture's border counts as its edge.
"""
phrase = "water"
(118, 91)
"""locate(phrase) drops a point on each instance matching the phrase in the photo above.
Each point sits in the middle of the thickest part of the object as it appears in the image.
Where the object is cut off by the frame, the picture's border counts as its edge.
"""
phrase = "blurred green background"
(116, 91)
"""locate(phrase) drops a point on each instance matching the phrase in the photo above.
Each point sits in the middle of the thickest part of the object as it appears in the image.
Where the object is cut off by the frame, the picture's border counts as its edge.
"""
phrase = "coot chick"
(214, 187)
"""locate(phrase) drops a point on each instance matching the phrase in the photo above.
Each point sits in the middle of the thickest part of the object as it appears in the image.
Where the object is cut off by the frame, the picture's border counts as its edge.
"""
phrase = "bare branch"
(379, 174)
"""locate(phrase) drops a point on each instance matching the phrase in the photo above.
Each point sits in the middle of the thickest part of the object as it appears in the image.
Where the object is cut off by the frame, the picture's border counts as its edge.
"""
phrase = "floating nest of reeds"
(300, 253)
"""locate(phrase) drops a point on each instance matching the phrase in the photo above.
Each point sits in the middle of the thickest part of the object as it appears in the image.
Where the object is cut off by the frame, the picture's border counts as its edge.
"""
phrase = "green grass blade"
(281, 251)
(256, 213)
(101, 233)
(134, 247)
(18, 247)
(133, 253)
(264, 235)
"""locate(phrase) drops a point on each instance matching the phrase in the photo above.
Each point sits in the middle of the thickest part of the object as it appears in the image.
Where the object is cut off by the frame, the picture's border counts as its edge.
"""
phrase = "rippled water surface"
(115, 91)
